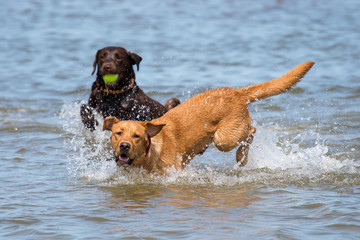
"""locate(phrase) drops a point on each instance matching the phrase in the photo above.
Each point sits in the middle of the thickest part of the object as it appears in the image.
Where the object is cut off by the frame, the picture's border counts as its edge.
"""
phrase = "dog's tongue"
(123, 159)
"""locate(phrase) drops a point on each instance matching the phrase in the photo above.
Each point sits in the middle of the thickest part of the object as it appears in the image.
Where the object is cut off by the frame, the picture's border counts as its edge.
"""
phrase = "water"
(302, 180)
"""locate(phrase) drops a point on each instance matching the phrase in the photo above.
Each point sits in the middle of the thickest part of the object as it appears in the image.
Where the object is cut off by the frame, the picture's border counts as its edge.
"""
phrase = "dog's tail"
(276, 86)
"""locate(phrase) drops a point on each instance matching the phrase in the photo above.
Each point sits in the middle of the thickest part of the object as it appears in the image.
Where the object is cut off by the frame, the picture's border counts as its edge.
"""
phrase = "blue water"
(302, 180)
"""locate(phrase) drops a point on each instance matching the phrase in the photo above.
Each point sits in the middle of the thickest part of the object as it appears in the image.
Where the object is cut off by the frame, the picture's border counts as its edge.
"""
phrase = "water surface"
(302, 180)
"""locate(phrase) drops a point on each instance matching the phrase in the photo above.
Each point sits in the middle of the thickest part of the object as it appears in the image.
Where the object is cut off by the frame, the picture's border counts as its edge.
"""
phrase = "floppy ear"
(95, 61)
(136, 59)
(152, 129)
(109, 122)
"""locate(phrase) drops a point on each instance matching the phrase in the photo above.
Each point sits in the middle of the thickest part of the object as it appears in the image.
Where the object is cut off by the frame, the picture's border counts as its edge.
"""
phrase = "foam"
(271, 160)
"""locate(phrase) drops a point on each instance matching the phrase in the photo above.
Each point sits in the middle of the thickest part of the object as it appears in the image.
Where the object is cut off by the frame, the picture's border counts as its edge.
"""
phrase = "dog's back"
(221, 115)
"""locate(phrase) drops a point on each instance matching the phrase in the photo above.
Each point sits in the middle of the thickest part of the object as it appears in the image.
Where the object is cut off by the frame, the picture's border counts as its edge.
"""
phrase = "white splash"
(271, 161)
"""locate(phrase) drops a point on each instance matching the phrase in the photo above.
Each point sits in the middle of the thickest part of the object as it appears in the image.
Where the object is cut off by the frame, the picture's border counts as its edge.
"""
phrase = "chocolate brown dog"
(220, 116)
(123, 98)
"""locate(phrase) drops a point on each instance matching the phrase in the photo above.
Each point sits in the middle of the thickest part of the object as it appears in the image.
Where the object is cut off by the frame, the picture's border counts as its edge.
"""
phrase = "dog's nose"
(107, 67)
(124, 146)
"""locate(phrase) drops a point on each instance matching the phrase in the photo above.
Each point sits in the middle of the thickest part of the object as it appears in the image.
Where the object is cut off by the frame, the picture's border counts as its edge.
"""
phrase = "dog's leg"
(230, 134)
(243, 150)
(88, 117)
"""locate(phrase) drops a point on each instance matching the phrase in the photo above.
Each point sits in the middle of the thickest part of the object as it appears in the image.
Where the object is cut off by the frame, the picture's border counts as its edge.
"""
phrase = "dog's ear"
(152, 129)
(109, 122)
(136, 59)
(95, 61)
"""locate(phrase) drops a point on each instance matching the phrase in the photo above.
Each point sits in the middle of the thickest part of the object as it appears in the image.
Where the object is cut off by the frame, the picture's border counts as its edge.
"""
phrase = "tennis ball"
(110, 78)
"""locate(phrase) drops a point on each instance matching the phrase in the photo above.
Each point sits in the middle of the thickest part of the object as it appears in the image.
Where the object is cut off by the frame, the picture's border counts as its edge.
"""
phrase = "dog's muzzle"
(123, 158)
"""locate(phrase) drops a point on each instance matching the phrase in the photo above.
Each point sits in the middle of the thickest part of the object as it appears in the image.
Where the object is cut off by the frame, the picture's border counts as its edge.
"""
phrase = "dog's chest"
(124, 107)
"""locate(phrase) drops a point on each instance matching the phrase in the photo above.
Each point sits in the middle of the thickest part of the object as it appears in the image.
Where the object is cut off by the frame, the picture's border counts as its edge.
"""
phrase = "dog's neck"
(157, 162)
(151, 160)
(148, 147)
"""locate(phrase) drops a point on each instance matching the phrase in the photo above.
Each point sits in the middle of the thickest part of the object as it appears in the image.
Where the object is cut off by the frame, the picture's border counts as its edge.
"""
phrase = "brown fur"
(123, 99)
(220, 116)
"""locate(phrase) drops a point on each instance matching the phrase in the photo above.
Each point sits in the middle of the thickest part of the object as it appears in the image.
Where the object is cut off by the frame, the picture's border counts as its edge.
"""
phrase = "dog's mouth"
(123, 159)
(111, 80)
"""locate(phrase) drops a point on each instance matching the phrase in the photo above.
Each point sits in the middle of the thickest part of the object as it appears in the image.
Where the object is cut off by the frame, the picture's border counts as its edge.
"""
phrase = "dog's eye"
(117, 57)
(136, 136)
(119, 133)
(102, 56)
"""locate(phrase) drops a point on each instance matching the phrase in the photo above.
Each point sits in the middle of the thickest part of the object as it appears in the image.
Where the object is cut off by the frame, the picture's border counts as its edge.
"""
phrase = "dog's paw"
(171, 103)
(88, 117)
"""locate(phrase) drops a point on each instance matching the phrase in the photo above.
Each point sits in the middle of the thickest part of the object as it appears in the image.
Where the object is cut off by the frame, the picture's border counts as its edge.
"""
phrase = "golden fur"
(220, 116)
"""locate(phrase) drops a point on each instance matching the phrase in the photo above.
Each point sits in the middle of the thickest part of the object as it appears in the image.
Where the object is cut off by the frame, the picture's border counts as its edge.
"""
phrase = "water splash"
(272, 161)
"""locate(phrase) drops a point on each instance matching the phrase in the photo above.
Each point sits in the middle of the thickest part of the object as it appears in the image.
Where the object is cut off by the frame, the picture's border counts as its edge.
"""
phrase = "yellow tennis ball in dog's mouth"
(110, 78)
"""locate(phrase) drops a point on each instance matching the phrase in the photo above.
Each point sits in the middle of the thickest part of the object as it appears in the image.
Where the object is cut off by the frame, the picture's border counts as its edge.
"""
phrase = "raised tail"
(276, 86)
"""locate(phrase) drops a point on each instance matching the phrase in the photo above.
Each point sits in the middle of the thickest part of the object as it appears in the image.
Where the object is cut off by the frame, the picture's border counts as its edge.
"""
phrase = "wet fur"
(220, 116)
(132, 104)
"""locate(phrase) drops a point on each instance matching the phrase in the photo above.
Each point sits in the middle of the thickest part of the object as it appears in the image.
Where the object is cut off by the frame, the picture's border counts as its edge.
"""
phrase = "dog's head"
(130, 140)
(116, 60)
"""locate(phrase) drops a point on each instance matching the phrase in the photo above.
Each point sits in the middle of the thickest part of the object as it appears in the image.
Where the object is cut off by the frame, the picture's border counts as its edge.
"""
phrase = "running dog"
(220, 116)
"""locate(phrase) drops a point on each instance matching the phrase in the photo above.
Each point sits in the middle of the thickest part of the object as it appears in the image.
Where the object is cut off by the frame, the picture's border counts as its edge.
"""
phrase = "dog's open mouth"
(111, 83)
(123, 159)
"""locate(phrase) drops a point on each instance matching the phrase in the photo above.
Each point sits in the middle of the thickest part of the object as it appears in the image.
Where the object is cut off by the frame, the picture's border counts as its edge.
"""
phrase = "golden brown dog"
(220, 116)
